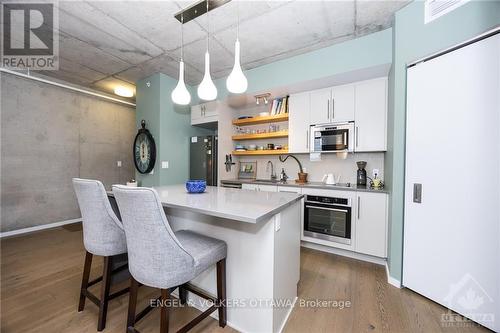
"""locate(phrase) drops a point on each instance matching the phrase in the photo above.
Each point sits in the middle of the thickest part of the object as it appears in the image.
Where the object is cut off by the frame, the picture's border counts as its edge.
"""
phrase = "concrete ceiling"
(109, 43)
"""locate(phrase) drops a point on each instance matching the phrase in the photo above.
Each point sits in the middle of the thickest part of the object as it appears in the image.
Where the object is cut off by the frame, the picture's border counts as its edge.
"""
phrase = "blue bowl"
(196, 186)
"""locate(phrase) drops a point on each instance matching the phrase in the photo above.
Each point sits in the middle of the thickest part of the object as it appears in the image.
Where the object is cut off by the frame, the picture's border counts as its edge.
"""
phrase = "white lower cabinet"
(252, 187)
(371, 223)
(289, 189)
(256, 187)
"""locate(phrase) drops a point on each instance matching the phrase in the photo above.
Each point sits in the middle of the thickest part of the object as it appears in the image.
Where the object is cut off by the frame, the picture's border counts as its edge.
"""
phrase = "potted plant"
(302, 175)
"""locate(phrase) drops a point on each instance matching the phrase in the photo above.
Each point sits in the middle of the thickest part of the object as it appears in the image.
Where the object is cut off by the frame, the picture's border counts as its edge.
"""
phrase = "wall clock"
(144, 150)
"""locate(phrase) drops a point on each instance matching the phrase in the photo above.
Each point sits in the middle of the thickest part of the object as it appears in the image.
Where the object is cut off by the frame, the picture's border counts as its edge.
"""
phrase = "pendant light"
(181, 95)
(207, 90)
(236, 81)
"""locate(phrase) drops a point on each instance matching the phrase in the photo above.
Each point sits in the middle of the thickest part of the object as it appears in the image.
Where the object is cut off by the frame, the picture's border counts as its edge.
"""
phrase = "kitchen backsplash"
(329, 163)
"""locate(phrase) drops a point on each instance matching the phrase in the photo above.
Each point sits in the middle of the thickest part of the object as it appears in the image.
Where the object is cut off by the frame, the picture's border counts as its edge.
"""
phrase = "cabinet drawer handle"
(359, 205)
(357, 134)
(333, 108)
(328, 109)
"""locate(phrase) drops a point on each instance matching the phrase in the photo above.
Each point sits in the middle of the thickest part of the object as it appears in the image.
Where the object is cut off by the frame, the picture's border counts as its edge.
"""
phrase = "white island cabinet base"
(263, 258)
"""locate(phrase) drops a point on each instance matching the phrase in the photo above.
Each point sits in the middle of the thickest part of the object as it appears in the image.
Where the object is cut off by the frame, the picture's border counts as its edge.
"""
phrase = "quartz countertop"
(234, 204)
(319, 185)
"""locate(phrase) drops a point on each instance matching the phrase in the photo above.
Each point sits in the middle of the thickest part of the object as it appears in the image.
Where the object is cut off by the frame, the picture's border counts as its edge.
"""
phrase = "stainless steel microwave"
(332, 138)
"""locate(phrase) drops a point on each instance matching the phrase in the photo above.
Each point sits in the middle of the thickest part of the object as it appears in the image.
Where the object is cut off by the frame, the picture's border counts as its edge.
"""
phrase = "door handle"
(417, 193)
(307, 138)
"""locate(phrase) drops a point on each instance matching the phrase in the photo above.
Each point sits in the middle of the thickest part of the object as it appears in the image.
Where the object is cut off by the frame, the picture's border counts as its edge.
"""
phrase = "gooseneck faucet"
(273, 173)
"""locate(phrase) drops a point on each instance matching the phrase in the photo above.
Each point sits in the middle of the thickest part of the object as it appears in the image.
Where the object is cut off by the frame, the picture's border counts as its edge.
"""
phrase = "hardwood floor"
(41, 275)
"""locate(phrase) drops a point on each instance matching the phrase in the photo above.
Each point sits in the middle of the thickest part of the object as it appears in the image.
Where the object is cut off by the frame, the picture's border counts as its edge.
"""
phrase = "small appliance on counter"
(361, 173)
(330, 179)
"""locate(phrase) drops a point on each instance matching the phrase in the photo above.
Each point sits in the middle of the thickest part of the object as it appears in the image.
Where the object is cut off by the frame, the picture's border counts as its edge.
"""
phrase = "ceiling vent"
(437, 8)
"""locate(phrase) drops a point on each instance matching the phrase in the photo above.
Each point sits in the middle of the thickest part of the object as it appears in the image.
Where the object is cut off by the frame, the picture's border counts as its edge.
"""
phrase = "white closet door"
(452, 238)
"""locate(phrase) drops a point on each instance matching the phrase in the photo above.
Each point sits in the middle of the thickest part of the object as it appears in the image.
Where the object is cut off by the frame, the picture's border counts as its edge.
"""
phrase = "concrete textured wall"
(50, 135)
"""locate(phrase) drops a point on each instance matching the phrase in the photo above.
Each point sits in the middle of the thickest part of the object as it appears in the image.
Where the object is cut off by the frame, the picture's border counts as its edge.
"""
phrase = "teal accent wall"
(412, 40)
(360, 53)
(171, 127)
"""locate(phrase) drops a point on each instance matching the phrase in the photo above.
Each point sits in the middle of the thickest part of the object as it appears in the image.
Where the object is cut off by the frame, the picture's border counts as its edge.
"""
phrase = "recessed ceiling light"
(124, 91)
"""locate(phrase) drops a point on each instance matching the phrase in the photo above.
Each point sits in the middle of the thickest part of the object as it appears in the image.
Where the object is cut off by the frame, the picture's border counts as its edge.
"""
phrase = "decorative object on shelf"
(229, 162)
(196, 186)
(247, 170)
(236, 82)
(144, 150)
(207, 90)
(264, 114)
(265, 97)
(361, 173)
(279, 106)
(180, 95)
(302, 175)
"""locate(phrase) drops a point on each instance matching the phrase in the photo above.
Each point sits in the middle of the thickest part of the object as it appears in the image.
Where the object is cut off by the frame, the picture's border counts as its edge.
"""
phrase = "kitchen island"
(262, 232)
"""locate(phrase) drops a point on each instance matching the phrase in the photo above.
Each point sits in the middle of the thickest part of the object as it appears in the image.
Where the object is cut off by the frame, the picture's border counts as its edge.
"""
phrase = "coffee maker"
(361, 173)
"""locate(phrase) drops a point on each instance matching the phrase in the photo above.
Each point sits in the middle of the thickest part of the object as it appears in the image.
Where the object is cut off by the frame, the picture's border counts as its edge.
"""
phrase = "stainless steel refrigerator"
(203, 159)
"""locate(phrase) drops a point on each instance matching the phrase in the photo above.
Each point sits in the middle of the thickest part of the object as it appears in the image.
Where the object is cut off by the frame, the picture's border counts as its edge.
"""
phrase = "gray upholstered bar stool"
(162, 259)
(103, 235)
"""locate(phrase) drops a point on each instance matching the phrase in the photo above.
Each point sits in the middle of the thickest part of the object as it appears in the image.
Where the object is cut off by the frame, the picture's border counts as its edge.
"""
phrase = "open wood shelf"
(261, 120)
(278, 134)
(261, 152)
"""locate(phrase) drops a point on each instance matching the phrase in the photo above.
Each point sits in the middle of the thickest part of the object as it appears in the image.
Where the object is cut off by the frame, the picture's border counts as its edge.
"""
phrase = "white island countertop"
(235, 204)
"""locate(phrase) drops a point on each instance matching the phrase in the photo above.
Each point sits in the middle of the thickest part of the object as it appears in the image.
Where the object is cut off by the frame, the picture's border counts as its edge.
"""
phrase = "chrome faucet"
(273, 173)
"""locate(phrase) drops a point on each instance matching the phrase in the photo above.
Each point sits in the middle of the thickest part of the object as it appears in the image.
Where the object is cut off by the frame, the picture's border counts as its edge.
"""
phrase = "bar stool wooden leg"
(85, 280)
(221, 292)
(165, 296)
(182, 295)
(132, 304)
(106, 282)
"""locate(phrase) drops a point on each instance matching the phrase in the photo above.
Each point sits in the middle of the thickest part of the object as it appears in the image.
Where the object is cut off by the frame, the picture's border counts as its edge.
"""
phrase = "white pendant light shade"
(181, 95)
(207, 90)
(236, 82)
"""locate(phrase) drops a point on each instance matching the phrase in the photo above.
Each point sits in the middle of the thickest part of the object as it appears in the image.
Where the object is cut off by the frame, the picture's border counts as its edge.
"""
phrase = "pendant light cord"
(182, 37)
(238, 20)
(208, 29)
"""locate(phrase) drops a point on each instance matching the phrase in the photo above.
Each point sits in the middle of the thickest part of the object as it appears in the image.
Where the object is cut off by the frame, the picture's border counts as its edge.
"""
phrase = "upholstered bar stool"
(162, 259)
(103, 235)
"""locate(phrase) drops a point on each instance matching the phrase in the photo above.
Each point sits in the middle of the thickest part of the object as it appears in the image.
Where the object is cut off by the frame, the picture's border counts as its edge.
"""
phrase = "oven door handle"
(324, 208)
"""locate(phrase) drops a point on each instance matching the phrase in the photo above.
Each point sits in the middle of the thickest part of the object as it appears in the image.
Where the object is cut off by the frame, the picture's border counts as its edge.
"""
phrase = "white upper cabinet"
(298, 123)
(371, 115)
(204, 113)
(371, 223)
(332, 105)
(342, 103)
(320, 106)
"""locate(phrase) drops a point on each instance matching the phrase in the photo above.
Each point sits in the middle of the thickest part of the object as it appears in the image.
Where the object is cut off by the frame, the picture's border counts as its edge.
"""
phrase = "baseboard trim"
(288, 315)
(37, 228)
(345, 253)
(392, 281)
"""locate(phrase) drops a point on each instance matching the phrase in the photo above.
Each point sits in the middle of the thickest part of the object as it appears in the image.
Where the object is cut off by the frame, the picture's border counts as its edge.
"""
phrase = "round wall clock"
(144, 150)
